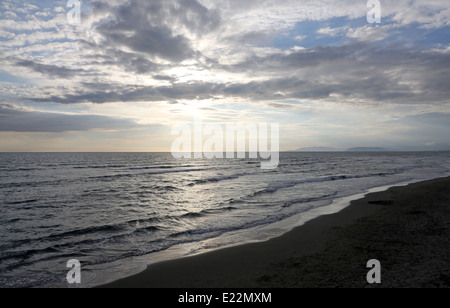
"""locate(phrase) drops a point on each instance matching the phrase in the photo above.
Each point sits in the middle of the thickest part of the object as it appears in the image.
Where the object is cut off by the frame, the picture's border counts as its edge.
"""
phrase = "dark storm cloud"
(17, 120)
(148, 27)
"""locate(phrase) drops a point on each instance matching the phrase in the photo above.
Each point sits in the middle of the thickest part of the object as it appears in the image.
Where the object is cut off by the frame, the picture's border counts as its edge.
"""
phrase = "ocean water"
(117, 212)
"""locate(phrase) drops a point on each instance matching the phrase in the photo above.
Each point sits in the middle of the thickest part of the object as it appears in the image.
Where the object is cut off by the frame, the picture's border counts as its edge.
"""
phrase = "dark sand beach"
(406, 228)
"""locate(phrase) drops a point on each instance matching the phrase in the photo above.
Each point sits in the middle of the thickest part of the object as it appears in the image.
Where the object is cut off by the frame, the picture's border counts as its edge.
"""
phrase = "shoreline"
(331, 250)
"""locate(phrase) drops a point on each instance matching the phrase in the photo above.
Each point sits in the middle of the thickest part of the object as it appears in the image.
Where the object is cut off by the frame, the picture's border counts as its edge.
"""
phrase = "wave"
(113, 176)
(219, 210)
(174, 239)
(144, 190)
(100, 167)
(307, 200)
(85, 231)
(167, 188)
(26, 253)
(253, 163)
(318, 180)
(63, 235)
(161, 167)
(192, 215)
(208, 212)
(218, 179)
(146, 230)
(114, 231)
(213, 232)
(20, 169)
(31, 184)
(22, 202)
(203, 213)
(56, 250)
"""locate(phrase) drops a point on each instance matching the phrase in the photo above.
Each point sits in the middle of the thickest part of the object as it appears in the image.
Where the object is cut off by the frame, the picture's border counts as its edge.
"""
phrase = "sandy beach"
(406, 228)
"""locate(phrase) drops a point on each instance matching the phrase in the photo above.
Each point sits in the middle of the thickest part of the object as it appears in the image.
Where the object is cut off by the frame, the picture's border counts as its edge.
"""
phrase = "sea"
(116, 213)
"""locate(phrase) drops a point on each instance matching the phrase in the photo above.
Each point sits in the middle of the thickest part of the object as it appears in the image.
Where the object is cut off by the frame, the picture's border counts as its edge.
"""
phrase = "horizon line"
(168, 152)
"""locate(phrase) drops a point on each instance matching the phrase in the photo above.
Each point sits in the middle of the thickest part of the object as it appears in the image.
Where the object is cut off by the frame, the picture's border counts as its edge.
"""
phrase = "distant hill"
(434, 148)
(318, 149)
(368, 149)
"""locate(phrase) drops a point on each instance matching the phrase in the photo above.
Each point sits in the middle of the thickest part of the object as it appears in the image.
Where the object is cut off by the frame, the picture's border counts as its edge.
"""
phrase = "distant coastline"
(367, 149)
(355, 149)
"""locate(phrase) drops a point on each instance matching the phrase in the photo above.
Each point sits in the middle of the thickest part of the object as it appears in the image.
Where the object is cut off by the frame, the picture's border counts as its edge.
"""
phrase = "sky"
(129, 71)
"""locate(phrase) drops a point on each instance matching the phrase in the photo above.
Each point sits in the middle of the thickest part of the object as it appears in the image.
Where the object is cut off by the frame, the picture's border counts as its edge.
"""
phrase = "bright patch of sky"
(316, 67)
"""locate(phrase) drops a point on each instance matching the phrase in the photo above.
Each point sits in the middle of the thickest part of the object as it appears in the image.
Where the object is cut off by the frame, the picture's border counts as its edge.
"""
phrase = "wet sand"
(406, 228)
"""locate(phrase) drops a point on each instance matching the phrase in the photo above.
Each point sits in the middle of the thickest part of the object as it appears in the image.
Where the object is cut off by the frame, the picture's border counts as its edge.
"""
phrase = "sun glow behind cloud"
(133, 69)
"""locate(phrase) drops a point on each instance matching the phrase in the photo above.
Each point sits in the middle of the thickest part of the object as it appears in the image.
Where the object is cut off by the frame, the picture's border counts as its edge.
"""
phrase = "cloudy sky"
(131, 70)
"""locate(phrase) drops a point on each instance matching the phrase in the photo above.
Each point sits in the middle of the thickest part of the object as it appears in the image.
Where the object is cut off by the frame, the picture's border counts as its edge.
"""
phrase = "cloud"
(133, 62)
(251, 38)
(104, 93)
(428, 14)
(358, 69)
(6, 34)
(365, 33)
(15, 119)
(164, 78)
(433, 119)
(209, 55)
(358, 73)
(332, 31)
(157, 28)
(49, 70)
(102, 58)
(153, 41)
